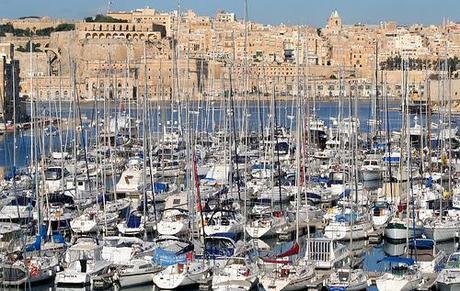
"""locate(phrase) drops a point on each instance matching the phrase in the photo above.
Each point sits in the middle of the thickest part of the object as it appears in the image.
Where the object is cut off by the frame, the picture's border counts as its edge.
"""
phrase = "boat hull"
(448, 287)
(400, 233)
(371, 176)
(440, 234)
(129, 280)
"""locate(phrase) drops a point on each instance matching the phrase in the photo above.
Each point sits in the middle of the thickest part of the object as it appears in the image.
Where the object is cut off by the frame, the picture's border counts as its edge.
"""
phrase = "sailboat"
(279, 273)
(31, 270)
(402, 275)
(236, 274)
(84, 262)
(137, 271)
(449, 277)
(180, 268)
(347, 279)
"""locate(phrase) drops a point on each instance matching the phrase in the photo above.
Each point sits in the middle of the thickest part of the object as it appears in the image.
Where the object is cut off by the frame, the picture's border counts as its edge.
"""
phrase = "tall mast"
(144, 156)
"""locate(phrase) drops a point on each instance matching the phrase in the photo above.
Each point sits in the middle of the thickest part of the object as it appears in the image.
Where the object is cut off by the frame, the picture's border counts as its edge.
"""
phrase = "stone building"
(147, 16)
(129, 31)
(10, 105)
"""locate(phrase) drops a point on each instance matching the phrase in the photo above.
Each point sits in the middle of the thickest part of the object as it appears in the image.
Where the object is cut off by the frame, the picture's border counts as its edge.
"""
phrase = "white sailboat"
(402, 276)
(136, 272)
(449, 278)
(181, 275)
(236, 274)
(84, 262)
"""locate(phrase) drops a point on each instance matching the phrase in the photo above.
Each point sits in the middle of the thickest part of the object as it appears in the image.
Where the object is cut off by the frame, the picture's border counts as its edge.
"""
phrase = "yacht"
(449, 278)
(223, 221)
(402, 275)
(441, 230)
(346, 227)
(382, 213)
(236, 274)
(176, 256)
(84, 262)
(133, 225)
(372, 169)
(30, 270)
(325, 253)
(347, 279)
(136, 272)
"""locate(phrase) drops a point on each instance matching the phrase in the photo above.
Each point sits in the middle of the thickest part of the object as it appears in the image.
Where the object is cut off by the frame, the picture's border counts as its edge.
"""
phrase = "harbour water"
(324, 110)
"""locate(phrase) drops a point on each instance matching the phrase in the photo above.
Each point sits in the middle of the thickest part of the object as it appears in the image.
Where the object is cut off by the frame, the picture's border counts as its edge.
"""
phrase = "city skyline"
(290, 12)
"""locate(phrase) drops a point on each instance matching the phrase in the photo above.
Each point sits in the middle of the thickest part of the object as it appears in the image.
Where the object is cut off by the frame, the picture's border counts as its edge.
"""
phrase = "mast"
(144, 143)
(298, 141)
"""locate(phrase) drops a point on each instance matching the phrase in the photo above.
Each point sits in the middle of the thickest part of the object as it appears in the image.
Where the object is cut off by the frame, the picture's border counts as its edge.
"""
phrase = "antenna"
(109, 6)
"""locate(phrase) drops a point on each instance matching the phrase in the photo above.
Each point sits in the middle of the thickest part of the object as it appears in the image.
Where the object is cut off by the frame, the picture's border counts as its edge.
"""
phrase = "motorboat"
(84, 262)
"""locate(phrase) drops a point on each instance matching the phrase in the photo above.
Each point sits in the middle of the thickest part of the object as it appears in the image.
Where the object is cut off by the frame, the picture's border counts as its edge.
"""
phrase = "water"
(200, 117)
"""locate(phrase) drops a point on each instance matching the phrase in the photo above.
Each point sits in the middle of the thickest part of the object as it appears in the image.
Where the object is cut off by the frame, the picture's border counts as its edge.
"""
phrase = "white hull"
(353, 287)
(440, 234)
(381, 221)
(226, 283)
(128, 280)
(401, 233)
(170, 281)
(215, 229)
(292, 283)
(448, 280)
(391, 283)
(345, 232)
(172, 278)
(171, 228)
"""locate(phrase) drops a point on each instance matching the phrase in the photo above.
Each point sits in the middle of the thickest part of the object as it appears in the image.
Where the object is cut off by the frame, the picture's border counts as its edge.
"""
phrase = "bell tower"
(334, 23)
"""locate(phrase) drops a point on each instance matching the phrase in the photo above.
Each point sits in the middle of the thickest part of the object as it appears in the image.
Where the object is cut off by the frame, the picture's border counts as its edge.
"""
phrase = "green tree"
(104, 18)
(26, 49)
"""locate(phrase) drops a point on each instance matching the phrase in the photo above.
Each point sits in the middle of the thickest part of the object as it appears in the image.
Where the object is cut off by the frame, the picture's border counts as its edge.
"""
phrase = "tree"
(26, 49)
(45, 31)
(65, 27)
(6, 28)
(104, 18)
(61, 27)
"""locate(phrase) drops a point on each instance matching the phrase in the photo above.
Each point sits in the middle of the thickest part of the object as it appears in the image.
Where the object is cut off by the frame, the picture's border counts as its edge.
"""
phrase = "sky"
(309, 12)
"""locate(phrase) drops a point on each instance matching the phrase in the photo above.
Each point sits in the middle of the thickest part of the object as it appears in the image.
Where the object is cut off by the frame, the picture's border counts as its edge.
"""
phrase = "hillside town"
(177, 54)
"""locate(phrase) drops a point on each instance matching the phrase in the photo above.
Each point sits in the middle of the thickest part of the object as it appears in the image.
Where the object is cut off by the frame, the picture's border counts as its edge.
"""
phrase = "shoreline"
(203, 99)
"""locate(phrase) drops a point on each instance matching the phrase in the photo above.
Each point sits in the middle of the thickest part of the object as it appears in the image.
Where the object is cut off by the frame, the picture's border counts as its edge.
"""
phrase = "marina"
(112, 223)
(144, 150)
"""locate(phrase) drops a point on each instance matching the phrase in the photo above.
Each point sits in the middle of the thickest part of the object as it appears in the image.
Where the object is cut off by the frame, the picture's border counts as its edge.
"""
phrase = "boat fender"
(180, 268)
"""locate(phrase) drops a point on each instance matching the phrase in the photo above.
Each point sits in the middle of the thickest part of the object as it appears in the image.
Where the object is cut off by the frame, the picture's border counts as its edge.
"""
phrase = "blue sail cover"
(160, 187)
(134, 221)
(36, 246)
(166, 258)
(348, 217)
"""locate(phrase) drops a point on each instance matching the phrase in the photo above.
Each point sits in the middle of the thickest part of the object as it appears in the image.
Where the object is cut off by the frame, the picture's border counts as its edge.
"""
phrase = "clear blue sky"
(313, 12)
